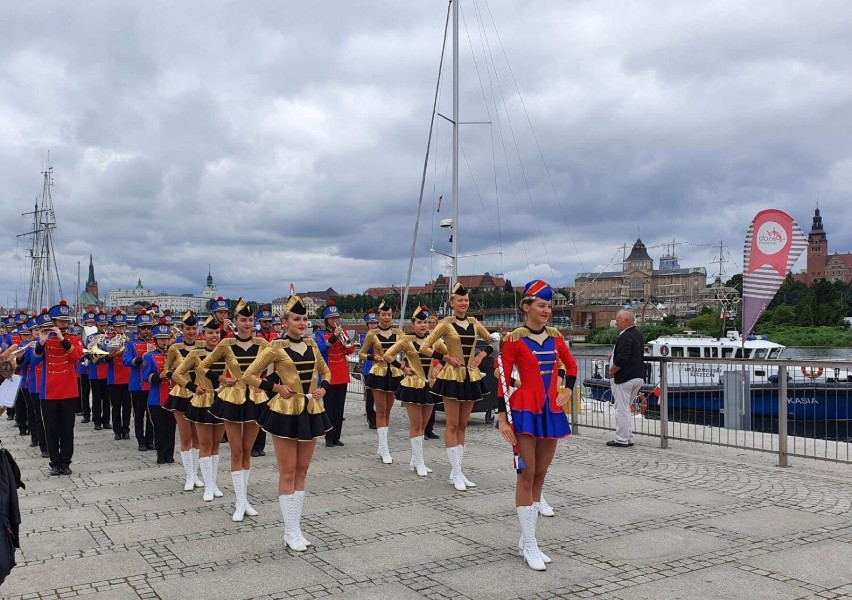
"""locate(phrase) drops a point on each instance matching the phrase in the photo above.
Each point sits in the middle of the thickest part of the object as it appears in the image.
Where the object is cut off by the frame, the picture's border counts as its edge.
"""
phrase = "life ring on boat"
(664, 350)
(811, 373)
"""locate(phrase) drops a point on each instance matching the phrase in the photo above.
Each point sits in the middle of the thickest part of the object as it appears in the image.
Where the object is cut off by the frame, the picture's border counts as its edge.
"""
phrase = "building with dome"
(178, 304)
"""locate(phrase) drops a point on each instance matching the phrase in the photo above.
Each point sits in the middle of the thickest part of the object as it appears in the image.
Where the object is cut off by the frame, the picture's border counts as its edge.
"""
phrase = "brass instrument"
(116, 344)
(345, 339)
(93, 348)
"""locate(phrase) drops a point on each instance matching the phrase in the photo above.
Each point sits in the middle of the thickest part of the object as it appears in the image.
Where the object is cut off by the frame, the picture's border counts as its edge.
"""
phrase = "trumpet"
(23, 348)
(345, 339)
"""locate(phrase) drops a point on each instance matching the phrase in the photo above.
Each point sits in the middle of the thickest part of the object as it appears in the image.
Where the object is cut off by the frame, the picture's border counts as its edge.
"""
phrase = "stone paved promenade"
(690, 522)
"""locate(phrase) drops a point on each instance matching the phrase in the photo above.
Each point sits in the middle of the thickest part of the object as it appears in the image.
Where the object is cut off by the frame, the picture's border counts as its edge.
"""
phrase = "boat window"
(775, 353)
(759, 353)
(677, 352)
(747, 353)
(727, 352)
(693, 352)
(738, 353)
(711, 353)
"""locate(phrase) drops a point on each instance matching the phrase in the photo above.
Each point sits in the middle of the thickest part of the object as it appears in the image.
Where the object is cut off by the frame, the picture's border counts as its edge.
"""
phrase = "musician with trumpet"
(59, 351)
(118, 379)
(154, 373)
(33, 380)
(98, 367)
(334, 345)
(138, 388)
(219, 309)
(88, 320)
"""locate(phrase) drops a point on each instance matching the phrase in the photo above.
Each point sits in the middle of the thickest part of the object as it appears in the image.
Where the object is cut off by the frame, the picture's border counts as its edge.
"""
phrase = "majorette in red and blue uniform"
(533, 403)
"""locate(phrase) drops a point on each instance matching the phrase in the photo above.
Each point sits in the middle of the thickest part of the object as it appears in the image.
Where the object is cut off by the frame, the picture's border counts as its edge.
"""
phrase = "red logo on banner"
(773, 234)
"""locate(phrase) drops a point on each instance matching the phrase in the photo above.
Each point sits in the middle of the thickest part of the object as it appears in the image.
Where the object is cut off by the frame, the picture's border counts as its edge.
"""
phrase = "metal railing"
(789, 408)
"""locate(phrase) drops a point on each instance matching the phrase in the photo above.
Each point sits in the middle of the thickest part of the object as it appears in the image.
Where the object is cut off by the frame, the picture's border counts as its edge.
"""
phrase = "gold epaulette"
(517, 334)
(553, 332)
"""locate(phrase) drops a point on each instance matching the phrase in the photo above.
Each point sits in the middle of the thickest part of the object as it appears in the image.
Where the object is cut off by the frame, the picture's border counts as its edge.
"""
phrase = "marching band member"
(330, 343)
(264, 317)
(138, 387)
(459, 382)
(98, 369)
(9, 326)
(42, 321)
(294, 416)
(24, 366)
(154, 373)
(371, 320)
(209, 428)
(219, 309)
(414, 390)
(276, 325)
(234, 402)
(538, 419)
(383, 378)
(118, 382)
(85, 407)
(59, 351)
(178, 400)
(20, 337)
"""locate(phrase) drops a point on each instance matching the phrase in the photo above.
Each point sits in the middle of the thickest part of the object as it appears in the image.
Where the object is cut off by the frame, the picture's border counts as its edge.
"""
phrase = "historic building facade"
(836, 267)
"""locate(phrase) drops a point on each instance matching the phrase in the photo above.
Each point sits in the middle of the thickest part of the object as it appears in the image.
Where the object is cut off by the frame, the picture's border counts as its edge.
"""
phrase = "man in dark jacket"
(626, 373)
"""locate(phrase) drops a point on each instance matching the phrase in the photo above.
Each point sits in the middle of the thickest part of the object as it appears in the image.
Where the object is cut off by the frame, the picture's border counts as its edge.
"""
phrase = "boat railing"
(792, 408)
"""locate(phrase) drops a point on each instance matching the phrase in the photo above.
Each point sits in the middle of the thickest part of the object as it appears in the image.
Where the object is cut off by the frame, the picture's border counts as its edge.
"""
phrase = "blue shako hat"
(9, 321)
(264, 314)
(22, 317)
(88, 317)
(276, 319)
(163, 330)
(538, 289)
(421, 313)
(119, 318)
(371, 317)
(31, 324)
(219, 304)
(330, 311)
(44, 318)
(23, 328)
(167, 315)
(143, 318)
(61, 311)
(101, 318)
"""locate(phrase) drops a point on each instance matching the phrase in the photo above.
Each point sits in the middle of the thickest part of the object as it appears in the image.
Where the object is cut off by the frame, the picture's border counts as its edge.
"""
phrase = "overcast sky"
(284, 141)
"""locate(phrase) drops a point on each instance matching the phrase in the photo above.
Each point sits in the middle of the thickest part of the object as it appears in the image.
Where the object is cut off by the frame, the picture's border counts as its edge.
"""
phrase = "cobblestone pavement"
(689, 522)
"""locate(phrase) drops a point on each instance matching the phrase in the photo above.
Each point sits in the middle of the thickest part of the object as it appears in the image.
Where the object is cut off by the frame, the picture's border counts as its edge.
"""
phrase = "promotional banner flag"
(773, 244)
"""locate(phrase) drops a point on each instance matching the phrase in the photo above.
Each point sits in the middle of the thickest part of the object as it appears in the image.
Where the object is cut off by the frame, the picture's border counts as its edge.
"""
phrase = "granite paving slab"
(828, 564)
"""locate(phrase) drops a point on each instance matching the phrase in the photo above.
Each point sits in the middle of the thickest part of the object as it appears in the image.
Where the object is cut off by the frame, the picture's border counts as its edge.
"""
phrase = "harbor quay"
(690, 521)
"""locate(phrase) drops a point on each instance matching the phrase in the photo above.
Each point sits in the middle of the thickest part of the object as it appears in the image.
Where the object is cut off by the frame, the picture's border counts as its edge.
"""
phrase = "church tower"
(817, 250)
(209, 291)
(91, 282)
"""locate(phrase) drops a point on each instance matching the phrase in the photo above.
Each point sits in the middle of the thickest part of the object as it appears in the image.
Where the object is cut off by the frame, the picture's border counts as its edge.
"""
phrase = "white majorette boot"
(544, 556)
(544, 509)
(217, 493)
(188, 464)
(455, 473)
(250, 511)
(413, 463)
(207, 473)
(299, 504)
(384, 451)
(288, 512)
(417, 451)
(199, 483)
(530, 552)
(467, 481)
(240, 493)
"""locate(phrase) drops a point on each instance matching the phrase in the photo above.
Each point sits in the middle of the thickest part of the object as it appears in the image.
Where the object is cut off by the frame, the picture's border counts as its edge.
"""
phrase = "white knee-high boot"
(217, 493)
(417, 452)
(188, 464)
(239, 492)
(384, 451)
(250, 511)
(299, 504)
(198, 481)
(288, 513)
(530, 552)
(207, 473)
(467, 481)
(544, 509)
(544, 556)
(455, 472)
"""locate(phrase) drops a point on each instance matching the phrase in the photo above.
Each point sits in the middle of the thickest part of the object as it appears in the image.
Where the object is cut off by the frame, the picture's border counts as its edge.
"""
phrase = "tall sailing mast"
(45, 287)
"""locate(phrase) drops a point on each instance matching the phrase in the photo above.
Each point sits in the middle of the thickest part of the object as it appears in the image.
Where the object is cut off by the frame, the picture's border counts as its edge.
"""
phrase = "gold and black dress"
(414, 389)
(179, 396)
(187, 375)
(383, 377)
(236, 403)
(464, 383)
(296, 364)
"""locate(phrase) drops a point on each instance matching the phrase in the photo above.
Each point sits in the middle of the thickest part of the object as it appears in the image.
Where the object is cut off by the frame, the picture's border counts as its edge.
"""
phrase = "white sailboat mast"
(455, 252)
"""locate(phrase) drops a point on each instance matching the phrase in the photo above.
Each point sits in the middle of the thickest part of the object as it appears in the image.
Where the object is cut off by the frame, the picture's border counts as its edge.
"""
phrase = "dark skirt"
(415, 395)
(383, 383)
(200, 415)
(303, 427)
(463, 391)
(235, 413)
(177, 404)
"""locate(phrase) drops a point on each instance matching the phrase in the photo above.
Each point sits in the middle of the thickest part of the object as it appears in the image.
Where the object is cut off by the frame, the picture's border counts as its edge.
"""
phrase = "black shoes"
(45, 454)
(614, 444)
(65, 471)
(106, 425)
(151, 446)
(372, 425)
(143, 447)
(86, 420)
(98, 427)
(55, 471)
(170, 459)
(338, 443)
(33, 443)
(117, 436)
(431, 435)
(256, 453)
(329, 444)
(125, 435)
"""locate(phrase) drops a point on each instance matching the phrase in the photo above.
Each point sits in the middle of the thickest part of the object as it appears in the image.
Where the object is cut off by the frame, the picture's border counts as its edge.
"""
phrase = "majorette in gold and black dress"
(459, 383)
(179, 396)
(189, 376)
(383, 376)
(296, 364)
(414, 388)
(236, 403)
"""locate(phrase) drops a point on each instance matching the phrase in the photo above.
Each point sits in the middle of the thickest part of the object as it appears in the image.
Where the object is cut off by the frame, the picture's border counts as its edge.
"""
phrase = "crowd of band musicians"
(223, 378)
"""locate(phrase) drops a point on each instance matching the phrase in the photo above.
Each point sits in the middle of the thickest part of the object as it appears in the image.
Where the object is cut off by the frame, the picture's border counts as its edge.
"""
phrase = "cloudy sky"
(284, 141)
